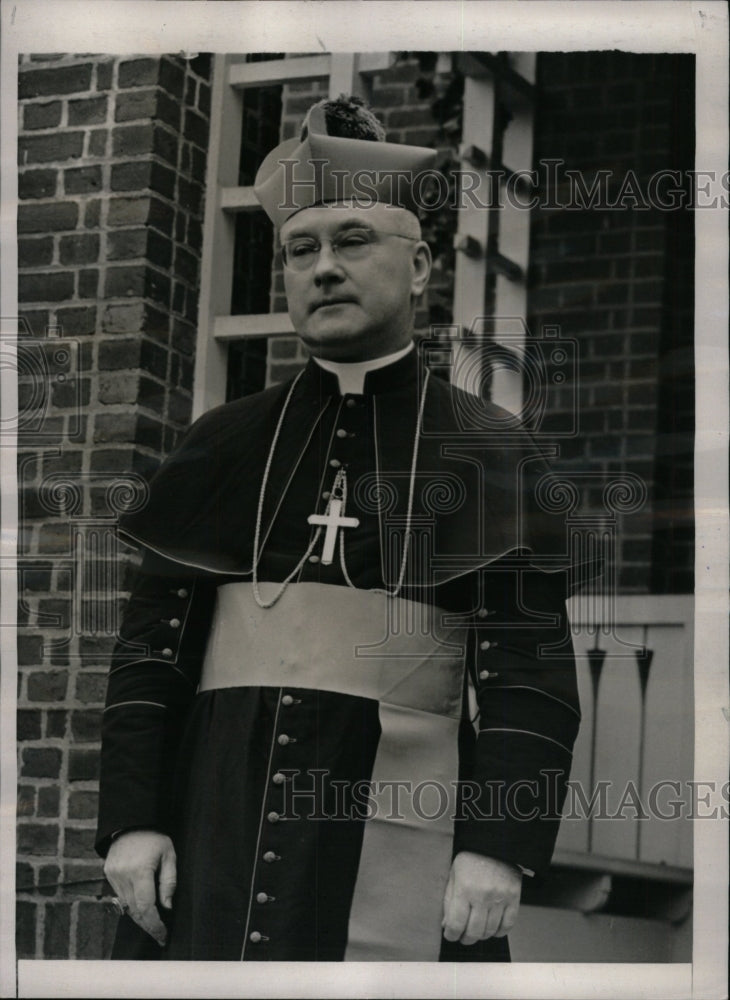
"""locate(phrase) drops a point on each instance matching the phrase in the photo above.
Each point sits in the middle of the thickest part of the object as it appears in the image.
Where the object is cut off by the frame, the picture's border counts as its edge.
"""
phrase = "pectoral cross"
(333, 520)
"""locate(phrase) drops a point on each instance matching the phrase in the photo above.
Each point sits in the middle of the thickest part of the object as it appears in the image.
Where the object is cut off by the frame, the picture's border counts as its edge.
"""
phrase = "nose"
(327, 266)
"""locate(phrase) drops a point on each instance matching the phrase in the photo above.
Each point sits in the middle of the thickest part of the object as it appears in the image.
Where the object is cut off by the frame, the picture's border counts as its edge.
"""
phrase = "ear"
(422, 263)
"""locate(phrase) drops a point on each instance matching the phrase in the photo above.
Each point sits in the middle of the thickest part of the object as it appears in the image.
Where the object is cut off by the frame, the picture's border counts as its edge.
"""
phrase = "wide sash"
(399, 653)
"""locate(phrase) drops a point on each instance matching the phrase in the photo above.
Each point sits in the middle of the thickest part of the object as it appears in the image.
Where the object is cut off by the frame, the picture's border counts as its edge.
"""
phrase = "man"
(289, 770)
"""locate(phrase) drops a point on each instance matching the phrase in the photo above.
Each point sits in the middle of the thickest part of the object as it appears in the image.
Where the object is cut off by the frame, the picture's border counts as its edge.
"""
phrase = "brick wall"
(112, 157)
(619, 282)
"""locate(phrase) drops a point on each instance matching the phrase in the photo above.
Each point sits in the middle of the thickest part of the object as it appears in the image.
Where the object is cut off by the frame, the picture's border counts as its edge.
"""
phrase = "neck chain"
(342, 485)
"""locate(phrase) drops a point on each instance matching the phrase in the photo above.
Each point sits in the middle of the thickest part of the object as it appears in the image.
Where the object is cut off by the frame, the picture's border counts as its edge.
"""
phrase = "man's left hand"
(481, 899)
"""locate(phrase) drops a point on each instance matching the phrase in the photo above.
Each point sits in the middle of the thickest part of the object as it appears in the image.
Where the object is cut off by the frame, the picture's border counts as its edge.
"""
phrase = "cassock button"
(270, 857)
(261, 897)
(175, 623)
(273, 817)
(484, 675)
(326, 495)
(283, 740)
(351, 403)
(287, 700)
(314, 559)
(335, 463)
(341, 432)
(167, 653)
(255, 937)
(485, 645)
(483, 613)
(182, 592)
(278, 778)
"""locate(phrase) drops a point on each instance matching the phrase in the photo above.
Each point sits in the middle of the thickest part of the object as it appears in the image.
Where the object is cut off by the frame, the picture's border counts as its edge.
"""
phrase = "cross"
(333, 520)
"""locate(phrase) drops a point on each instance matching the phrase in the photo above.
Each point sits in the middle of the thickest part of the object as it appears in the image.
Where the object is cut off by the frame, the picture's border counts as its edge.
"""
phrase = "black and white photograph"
(364, 577)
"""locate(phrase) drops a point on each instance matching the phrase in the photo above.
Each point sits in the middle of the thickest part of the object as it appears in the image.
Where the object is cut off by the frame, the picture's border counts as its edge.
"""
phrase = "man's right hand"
(133, 861)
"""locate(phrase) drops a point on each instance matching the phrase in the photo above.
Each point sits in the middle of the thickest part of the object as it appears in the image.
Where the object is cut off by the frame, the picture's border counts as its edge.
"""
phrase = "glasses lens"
(353, 244)
(300, 254)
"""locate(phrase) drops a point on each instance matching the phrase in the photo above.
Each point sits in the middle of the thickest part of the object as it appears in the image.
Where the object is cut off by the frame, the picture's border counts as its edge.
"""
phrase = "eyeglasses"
(300, 253)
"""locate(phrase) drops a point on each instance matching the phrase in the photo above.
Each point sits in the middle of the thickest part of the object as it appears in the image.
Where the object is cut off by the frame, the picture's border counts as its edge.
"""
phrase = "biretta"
(341, 155)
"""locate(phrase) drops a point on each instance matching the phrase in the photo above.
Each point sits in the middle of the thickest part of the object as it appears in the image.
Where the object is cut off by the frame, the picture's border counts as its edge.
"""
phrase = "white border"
(640, 26)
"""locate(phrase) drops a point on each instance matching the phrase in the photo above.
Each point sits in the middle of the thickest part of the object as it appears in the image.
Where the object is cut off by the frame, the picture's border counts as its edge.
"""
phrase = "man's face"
(355, 310)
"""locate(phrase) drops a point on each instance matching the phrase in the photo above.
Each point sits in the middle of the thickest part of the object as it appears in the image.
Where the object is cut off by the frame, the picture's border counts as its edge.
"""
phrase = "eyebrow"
(348, 224)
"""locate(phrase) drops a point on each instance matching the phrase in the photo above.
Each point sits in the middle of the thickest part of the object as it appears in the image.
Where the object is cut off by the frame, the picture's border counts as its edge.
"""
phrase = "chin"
(335, 346)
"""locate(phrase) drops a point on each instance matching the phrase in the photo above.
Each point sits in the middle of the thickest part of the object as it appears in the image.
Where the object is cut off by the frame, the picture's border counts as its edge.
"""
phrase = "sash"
(397, 652)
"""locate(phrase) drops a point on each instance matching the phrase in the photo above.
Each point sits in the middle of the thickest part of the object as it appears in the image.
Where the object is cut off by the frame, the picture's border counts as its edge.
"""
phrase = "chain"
(339, 490)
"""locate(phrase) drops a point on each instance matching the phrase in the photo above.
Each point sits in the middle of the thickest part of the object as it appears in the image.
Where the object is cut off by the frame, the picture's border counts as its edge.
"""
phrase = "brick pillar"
(112, 156)
(600, 272)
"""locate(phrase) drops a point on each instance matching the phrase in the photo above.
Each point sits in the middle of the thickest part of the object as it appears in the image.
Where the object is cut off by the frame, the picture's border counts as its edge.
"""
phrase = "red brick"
(35, 253)
(104, 74)
(42, 115)
(196, 128)
(41, 762)
(55, 613)
(114, 356)
(50, 218)
(47, 685)
(119, 388)
(138, 175)
(28, 724)
(82, 180)
(38, 838)
(123, 318)
(98, 140)
(204, 99)
(25, 929)
(80, 842)
(66, 460)
(138, 211)
(172, 78)
(134, 140)
(71, 394)
(30, 650)
(83, 805)
(37, 184)
(92, 213)
(56, 930)
(77, 321)
(24, 876)
(54, 538)
(52, 82)
(88, 283)
(91, 111)
(153, 359)
(190, 195)
(81, 249)
(114, 427)
(136, 104)
(138, 72)
(48, 879)
(49, 802)
(51, 286)
(48, 147)
(97, 924)
(91, 688)
(25, 800)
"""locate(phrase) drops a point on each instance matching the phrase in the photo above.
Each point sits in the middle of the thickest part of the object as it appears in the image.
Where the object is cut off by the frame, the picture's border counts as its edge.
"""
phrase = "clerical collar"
(351, 374)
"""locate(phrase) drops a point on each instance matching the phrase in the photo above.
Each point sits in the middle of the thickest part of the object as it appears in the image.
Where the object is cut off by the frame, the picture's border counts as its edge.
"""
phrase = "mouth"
(324, 303)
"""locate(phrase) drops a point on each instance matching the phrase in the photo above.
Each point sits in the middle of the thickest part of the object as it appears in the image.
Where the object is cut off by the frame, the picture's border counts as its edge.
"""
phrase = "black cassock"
(268, 742)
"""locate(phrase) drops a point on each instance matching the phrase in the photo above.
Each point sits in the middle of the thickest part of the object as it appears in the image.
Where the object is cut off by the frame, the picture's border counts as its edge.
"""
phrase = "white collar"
(351, 374)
